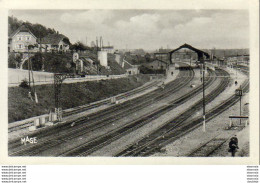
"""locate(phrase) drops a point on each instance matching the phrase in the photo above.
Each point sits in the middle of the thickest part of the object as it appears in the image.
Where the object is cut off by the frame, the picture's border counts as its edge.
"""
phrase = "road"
(15, 77)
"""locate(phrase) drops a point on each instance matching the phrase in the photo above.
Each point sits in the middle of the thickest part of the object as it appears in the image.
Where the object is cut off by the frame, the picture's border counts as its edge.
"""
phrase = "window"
(28, 38)
(19, 38)
(19, 46)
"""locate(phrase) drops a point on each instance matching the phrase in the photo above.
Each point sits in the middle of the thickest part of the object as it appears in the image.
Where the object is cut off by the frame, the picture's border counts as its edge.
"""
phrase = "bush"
(14, 60)
(53, 62)
(24, 84)
(37, 62)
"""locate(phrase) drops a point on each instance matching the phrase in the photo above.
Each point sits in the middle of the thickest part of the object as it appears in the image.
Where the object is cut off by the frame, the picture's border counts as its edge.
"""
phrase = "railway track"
(173, 128)
(107, 101)
(157, 141)
(208, 148)
(91, 146)
(91, 122)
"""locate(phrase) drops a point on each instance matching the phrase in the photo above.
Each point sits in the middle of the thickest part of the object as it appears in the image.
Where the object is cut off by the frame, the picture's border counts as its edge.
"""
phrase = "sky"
(147, 29)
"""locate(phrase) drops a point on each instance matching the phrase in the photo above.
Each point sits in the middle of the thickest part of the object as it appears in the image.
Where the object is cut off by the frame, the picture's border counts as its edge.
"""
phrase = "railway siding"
(173, 128)
(109, 136)
(20, 128)
(112, 113)
(138, 134)
(215, 127)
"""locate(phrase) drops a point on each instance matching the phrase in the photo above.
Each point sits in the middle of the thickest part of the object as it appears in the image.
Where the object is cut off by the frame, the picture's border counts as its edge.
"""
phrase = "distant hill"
(37, 29)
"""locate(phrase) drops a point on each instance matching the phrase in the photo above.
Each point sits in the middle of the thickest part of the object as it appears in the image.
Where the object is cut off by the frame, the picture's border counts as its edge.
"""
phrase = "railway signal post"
(58, 79)
(239, 92)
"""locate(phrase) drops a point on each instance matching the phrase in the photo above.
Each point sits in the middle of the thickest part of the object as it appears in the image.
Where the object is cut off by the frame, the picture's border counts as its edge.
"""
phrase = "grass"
(75, 94)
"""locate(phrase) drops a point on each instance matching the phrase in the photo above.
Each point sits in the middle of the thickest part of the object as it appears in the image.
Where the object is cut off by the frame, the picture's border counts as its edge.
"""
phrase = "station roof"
(191, 48)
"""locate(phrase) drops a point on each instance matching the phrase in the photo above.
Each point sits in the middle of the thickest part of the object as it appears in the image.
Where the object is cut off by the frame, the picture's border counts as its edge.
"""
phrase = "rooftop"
(54, 39)
(22, 28)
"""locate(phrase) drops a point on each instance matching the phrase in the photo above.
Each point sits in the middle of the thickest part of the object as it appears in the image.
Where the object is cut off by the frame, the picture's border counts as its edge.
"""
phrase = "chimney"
(97, 43)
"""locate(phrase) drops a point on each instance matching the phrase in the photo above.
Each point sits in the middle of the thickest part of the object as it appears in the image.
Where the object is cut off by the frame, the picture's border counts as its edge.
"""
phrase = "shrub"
(24, 84)
(14, 60)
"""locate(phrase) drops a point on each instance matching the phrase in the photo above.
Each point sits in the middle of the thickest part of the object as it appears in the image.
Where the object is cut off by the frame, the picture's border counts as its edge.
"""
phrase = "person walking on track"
(233, 145)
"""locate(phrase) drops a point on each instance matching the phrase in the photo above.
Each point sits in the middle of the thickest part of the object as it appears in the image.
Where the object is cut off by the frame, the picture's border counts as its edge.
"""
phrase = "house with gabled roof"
(20, 39)
(55, 42)
(130, 68)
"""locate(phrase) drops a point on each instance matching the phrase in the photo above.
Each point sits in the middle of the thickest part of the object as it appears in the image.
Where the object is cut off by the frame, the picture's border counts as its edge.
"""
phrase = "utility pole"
(236, 65)
(97, 55)
(190, 61)
(29, 65)
(190, 68)
(100, 42)
(204, 107)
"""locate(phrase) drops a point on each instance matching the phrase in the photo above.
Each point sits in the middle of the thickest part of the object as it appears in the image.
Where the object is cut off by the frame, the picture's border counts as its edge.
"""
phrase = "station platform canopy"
(201, 54)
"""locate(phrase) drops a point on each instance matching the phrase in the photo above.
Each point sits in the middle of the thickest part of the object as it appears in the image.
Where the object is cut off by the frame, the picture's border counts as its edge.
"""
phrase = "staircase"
(25, 57)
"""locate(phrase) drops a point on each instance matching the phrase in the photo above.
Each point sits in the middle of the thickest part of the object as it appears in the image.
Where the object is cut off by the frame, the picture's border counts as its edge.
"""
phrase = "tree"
(14, 60)
(37, 29)
(147, 57)
(78, 46)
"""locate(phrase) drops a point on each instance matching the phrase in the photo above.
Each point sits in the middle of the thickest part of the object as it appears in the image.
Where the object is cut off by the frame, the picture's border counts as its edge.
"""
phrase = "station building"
(157, 65)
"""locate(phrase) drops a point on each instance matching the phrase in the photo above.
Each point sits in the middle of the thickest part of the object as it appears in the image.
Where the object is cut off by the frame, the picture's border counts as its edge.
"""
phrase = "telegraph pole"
(100, 42)
(97, 55)
(190, 68)
(190, 61)
(29, 65)
(236, 66)
(204, 107)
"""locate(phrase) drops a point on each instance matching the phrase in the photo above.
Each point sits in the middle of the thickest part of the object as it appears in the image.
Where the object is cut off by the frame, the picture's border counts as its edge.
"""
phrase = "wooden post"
(230, 123)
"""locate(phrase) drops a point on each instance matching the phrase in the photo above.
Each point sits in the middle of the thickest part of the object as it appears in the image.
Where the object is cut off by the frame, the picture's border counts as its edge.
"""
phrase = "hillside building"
(20, 39)
(133, 70)
(55, 43)
(130, 69)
